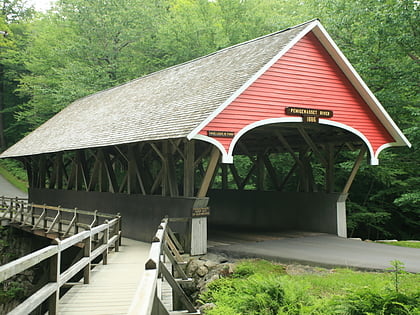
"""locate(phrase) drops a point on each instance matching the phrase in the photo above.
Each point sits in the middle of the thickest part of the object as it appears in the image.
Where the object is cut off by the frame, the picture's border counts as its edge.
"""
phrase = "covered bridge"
(216, 127)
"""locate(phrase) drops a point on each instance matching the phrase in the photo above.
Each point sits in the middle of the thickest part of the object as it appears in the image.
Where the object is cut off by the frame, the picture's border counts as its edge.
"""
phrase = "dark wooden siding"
(306, 76)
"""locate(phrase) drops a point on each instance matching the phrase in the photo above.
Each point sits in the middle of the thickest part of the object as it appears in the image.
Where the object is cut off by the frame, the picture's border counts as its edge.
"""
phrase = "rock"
(202, 271)
(206, 307)
(192, 266)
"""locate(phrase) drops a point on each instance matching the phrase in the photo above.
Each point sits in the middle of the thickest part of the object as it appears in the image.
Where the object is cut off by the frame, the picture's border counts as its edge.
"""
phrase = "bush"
(255, 295)
(364, 301)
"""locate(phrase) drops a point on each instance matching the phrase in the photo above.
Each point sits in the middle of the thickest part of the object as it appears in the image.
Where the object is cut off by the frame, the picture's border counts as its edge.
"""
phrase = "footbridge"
(109, 275)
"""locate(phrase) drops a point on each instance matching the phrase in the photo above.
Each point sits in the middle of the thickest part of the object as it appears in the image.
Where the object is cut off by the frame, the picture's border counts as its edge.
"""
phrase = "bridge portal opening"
(283, 177)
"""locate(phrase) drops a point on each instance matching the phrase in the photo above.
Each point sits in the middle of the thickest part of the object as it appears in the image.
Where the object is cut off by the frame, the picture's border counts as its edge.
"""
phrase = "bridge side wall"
(318, 212)
(141, 214)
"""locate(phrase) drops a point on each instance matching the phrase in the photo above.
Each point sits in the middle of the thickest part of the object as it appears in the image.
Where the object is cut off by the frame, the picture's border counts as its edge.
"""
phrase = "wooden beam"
(236, 177)
(260, 172)
(329, 172)
(353, 172)
(224, 176)
(189, 168)
(170, 165)
(202, 156)
(157, 181)
(312, 145)
(289, 149)
(112, 179)
(131, 171)
(42, 171)
(94, 177)
(176, 148)
(288, 176)
(214, 159)
(271, 171)
(248, 176)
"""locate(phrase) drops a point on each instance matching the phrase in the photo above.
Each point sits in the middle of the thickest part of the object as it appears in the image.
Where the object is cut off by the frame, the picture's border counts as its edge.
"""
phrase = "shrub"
(363, 301)
(255, 295)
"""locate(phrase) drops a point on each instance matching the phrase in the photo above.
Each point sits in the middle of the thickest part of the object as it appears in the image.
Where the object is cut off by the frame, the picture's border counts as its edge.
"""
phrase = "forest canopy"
(78, 47)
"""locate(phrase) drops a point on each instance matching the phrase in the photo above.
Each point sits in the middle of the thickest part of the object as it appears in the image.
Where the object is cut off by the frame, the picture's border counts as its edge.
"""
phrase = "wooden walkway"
(112, 286)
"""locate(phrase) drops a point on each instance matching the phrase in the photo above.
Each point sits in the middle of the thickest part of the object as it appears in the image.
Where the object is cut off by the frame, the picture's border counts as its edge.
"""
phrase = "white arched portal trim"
(373, 160)
(227, 157)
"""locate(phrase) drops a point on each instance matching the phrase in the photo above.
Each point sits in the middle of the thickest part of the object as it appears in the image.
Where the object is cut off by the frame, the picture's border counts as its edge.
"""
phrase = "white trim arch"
(225, 157)
(373, 157)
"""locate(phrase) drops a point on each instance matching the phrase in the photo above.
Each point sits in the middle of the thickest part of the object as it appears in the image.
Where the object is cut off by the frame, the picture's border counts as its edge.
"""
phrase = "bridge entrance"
(283, 178)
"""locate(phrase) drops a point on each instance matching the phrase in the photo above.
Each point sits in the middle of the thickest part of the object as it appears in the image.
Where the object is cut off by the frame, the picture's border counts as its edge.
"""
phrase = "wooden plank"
(173, 249)
(174, 262)
(14, 267)
(174, 239)
(35, 299)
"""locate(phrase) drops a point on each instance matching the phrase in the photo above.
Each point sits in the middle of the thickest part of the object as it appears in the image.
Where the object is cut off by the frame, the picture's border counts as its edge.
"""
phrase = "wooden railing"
(164, 251)
(95, 241)
(50, 221)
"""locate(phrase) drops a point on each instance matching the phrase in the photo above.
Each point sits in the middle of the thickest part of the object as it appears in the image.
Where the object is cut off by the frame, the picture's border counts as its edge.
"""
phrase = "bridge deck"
(112, 287)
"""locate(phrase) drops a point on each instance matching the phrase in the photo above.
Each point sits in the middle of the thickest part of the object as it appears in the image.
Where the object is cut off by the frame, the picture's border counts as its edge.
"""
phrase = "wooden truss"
(177, 167)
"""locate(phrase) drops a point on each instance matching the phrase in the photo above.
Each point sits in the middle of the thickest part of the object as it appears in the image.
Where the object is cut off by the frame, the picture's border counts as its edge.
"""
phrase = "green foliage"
(11, 290)
(257, 288)
(251, 295)
(403, 244)
(364, 301)
(397, 269)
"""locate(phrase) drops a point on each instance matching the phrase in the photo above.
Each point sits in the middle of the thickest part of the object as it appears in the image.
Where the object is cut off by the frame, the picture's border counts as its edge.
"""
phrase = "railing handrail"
(111, 236)
(146, 300)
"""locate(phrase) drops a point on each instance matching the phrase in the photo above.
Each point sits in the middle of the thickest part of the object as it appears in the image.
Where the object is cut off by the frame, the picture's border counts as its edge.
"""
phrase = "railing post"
(76, 227)
(106, 239)
(45, 223)
(119, 229)
(86, 253)
(32, 215)
(55, 262)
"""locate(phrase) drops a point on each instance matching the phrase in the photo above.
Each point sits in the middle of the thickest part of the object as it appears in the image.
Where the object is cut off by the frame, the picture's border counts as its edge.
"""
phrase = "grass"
(403, 244)
(261, 287)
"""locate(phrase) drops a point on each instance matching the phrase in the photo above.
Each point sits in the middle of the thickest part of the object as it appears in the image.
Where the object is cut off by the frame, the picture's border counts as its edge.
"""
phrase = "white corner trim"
(360, 85)
(225, 157)
(238, 92)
